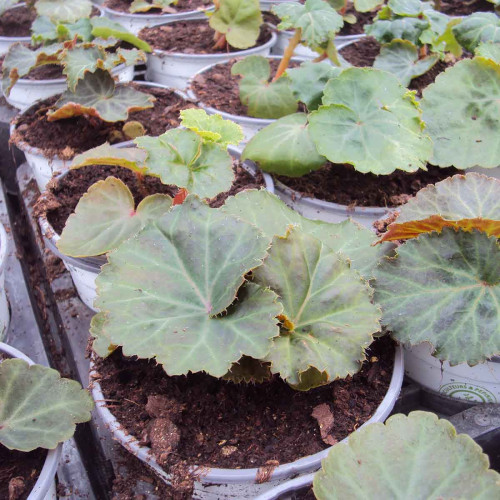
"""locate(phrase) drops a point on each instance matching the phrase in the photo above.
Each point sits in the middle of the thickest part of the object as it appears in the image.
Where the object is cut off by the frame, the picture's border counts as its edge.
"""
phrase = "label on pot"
(469, 392)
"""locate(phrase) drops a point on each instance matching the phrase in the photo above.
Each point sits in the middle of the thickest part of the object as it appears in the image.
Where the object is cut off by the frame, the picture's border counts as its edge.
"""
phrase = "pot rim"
(49, 469)
(228, 476)
(4, 243)
(287, 487)
(154, 16)
(14, 39)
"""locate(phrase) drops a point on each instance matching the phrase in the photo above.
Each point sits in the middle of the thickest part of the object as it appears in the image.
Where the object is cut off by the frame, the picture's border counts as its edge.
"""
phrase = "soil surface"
(71, 136)
(182, 6)
(465, 7)
(17, 22)
(19, 472)
(66, 193)
(191, 37)
(224, 424)
(344, 185)
(362, 18)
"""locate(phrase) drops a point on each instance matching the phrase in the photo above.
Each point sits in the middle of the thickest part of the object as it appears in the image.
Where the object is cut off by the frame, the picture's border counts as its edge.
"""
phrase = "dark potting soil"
(19, 472)
(191, 37)
(16, 22)
(182, 6)
(303, 494)
(71, 136)
(464, 7)
(46, 72)
(224, 424)
(344, 185)
(66, 193)
(357, 28)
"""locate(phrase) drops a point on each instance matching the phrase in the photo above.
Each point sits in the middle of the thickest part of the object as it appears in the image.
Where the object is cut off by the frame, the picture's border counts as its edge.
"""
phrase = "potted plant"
(182, 48)
(159, 172)
(15, 23)
(282, 300)
(450, 229)
(39, 411)
(454, 465)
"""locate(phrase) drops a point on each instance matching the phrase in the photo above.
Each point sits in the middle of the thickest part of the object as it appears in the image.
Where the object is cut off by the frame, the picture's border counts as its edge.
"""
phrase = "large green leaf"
(318, 21)
(477, 28)
(467, 202)
(370, 121)
(490, 50)
(444, 289)
(38, 409)
(417, 456)
(63, 10)
(329, 317)
(239, 20)
(285, 147)
(462, 112)
(366, 5)
(404, 28)
(180, 157)
(406, 7)
(80, 60)
(106, 216)
(401, 58)
(263, 98)
(97, 95)
(168, 292)
(106, 28)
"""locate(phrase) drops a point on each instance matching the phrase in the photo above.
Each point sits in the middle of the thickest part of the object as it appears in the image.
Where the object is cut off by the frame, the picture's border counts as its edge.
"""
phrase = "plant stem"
(422, 52)
(221, 41)
(217, 4)
(142, 186)
(285, 61)
(437, 4)
(321, 57)
(180, 196)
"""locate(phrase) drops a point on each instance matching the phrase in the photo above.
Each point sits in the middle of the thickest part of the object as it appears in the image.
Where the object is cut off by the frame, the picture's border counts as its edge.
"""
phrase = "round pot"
(175, 69)
(26, 92)
(44, 168)
(45, 486)
(288, 488)
(240, 483)
(4, 305)
(84, 270)
(474, 384)
(135, 22)
(490, 172)
(7, 41)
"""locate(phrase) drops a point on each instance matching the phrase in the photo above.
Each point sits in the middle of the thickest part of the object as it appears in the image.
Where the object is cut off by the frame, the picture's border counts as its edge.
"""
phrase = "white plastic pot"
(84, 271)
(25, 92)
(490, 172)
(175, 69)
(45, 486)
(475, 384)
(240, 483)
(4, 305)
(135, 22)
(7, 41)
(286, 489)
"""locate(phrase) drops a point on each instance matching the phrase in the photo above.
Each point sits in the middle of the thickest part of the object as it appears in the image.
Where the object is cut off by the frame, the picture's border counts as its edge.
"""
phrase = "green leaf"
(100, 345)
(367, 5)
(477, 28)
(144, 6)
(180, 274)
(447, 42)
(64, 11)
(81, 60)
(264, 99)
(461, 111)
(212, 128)
(239, 20)
(416, 456)
(370, 121)
(318, 21)
(106, 216)
(489, 50)
(444, 289)
(467, 202)
(39, 408)
(406, 7)
(308, 81)
(105, 28)
(285, 147)
(404, 28)
(327, 306)
(180, 157)
(401, 58)
(97, 95)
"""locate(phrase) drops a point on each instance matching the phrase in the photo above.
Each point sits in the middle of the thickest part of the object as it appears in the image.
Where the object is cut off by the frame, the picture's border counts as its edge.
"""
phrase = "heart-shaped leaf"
(370, 121)
(403, 28)
(477, 28)
(79, 61)
(106, 28)
(106, 216)
(466, 202)
(43, 30)
(461, 111)
(327, 311)
(182, 273)
(38, 409)
(489, 50)
(64, 11)
(264, 99)
(414, 456)
(285, 147)
(444, 289)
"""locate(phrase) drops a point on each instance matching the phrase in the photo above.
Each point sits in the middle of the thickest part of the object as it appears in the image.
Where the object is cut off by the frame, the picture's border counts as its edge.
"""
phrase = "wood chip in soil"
(182, 6)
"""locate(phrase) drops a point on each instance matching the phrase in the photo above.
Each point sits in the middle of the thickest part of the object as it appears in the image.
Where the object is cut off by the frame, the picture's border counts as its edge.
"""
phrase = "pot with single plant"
(138, 14)
(39, 411)
(4, 304)
(15, 24)
(451, 311)
(454, 466)
(154, 174)
(183, 48)
(248, 292)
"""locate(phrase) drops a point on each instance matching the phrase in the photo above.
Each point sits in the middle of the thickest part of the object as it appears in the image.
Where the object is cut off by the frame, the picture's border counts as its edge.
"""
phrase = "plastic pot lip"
(229, 476)
(408, 347)
(14, 39)
(287, 487)
(3, 248)
(49, 469)
(250, 120)
(166, 17)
